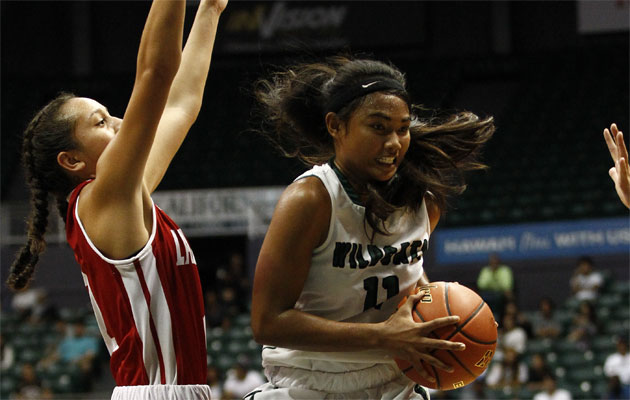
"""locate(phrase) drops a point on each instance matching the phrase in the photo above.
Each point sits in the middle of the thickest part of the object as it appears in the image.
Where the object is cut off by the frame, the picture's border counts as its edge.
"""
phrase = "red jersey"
(149, 307)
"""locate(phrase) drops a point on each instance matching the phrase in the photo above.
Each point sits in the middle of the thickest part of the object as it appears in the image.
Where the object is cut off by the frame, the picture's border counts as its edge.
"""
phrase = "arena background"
(553, 74)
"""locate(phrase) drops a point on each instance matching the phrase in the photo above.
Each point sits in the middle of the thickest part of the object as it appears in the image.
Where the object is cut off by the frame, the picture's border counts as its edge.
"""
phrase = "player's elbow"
(263, 328)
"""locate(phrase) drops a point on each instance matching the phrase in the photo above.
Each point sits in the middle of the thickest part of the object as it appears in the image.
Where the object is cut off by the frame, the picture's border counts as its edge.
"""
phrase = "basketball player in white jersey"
(138, 268)
(346, 241)
(620, 172)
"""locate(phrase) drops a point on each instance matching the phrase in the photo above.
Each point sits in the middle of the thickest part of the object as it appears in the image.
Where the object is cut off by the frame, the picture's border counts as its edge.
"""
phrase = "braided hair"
(291, 106)
(47, 134)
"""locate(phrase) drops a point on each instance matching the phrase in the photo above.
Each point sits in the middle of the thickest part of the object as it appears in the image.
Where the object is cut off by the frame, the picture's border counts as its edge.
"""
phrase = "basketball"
(476, 329)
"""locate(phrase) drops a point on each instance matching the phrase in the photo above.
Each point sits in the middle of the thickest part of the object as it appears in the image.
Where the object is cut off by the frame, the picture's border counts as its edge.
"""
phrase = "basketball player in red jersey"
(138, 268)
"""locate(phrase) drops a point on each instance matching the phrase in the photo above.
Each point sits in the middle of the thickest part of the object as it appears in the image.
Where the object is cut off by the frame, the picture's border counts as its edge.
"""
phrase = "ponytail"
(48, 133)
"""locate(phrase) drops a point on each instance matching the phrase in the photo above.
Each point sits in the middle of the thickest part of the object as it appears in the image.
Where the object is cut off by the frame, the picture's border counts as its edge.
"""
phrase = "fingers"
(422, 371)
(440, 322)
(622, 151)
(443, 344)
(436, 362)
(610, 142)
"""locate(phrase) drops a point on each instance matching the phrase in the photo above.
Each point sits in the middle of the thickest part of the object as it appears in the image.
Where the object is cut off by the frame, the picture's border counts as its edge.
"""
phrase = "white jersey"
(354, 279)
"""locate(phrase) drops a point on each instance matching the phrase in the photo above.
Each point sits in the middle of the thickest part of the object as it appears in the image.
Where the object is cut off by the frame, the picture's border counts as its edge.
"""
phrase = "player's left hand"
(619, 173)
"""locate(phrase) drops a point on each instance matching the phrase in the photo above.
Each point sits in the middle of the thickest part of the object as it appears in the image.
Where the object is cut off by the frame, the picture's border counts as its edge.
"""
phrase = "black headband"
(365, 86)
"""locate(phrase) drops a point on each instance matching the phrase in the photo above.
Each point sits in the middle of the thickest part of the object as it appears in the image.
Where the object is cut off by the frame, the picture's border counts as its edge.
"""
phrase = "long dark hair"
(47, 134)
(291, 106)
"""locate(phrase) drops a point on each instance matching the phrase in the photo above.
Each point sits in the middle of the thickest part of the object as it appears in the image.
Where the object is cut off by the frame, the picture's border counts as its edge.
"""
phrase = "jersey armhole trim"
(138, 255)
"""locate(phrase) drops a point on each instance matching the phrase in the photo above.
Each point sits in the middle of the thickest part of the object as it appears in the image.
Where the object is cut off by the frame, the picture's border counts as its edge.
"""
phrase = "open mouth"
(386, 160)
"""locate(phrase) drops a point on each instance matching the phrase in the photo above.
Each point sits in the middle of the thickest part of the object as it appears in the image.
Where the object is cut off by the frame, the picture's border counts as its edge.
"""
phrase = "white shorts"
(399, 389)
(162, 392)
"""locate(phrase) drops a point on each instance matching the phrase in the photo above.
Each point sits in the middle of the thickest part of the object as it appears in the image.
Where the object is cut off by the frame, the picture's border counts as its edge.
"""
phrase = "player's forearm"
(188, 87)
(160, 45)
(298, 330)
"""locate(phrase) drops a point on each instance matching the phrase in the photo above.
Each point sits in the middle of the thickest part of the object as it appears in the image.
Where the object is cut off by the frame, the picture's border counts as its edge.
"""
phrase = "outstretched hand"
(410, 340)
(619, 173)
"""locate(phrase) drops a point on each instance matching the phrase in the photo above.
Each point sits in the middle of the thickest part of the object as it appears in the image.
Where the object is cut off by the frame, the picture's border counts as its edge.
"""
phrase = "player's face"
(94, 129)
(373, 142)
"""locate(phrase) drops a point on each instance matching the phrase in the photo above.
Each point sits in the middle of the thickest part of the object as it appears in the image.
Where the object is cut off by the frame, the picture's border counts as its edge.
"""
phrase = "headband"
(363, 87)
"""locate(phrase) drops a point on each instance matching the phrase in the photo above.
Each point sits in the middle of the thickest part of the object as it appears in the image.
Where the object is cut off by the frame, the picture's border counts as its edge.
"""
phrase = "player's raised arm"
(184, 100)
(122, 164)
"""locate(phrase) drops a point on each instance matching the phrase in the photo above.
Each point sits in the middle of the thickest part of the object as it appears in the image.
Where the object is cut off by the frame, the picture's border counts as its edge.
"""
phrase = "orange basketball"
(476, 329)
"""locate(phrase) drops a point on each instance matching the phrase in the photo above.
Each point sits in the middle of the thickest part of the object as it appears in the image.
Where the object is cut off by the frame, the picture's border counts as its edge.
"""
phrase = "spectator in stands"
(512, 336)
(617, 369)
(241, 381)
(77, 348)
(30, 387)
(543, 324)
(510, 371)
(32, 305)
(536, 372)
(215, 311)
(233, 277)
(620, 172)
(496, 284)
(7, 355)
(586, 282)
(511, 308)
(584, 326)
(214, 381)
(551, 391)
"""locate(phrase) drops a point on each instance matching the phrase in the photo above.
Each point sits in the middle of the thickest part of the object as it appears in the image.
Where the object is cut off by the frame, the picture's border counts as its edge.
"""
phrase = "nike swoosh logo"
(368, 85)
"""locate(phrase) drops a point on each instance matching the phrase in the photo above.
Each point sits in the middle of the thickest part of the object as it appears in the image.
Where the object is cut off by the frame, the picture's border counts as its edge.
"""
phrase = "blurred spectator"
(213, 379)
(617, 369)
(585, 282)
(234, 276)
(536, 372)
(241, 381)
(29, 386)
(7, 355)
(520, 318)
(475, 391)
(512, 336)
(551, 391)
(509, 371)
(32, 304)
(76, 348)
(214, 310)
(583, 326)
(544, 325)
(496, 284)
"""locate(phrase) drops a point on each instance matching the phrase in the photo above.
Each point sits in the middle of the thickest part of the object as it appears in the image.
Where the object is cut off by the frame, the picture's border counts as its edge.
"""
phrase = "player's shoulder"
(309, 191)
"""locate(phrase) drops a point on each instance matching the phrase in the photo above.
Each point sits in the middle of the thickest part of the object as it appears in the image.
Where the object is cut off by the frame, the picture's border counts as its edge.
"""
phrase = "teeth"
(386, 160)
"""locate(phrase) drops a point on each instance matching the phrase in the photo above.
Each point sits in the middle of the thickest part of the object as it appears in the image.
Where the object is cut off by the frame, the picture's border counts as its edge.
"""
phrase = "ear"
(69, 161)
(334, 125)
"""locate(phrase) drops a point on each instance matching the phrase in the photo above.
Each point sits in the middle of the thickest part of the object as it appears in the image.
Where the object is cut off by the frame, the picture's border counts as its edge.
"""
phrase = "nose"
(117, 123)
(393, 143)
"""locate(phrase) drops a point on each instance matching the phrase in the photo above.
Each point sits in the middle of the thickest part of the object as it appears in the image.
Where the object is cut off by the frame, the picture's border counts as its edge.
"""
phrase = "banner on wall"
(533, 241)
(280, 26)
(218, 212)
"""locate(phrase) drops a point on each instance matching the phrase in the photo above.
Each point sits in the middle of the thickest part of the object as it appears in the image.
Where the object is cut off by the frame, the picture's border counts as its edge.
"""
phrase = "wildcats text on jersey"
(352, 254)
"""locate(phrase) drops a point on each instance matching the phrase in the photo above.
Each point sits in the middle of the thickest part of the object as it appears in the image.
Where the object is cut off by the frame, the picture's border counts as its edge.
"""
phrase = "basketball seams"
(461, 364)
(463, 324)
(448, 306)
(475, 340)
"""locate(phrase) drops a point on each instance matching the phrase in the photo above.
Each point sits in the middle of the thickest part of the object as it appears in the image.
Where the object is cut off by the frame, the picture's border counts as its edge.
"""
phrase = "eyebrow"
(379, 114)
(98, 110)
